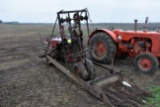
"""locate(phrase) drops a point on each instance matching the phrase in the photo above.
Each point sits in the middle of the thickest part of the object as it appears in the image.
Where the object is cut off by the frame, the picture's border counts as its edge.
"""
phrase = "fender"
(110, 33)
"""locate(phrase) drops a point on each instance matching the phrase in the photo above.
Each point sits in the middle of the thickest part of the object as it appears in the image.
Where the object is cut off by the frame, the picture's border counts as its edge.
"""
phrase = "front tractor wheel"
(146, 63)
(104, 48)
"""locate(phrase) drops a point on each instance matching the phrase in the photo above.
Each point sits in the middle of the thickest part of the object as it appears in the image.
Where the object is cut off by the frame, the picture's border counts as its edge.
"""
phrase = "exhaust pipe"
(135, 26)
(145, 24)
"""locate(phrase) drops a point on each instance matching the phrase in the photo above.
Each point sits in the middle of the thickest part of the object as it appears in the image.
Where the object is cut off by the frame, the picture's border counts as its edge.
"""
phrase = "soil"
(27, 81)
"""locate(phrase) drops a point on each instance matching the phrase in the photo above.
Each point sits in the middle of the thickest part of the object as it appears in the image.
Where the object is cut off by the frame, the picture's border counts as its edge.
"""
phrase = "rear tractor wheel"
(104, 48)
(146, 63)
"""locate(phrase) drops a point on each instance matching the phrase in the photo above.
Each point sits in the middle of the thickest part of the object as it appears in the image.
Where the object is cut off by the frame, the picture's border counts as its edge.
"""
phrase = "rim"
(145, 63)
(100, 49)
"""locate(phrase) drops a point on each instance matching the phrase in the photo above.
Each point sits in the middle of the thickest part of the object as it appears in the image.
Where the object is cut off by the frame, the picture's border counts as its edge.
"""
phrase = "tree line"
(12, 22)
(1, 21)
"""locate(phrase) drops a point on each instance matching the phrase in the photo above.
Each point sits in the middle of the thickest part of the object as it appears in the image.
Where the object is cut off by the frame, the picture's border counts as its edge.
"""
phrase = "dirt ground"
(26, 80)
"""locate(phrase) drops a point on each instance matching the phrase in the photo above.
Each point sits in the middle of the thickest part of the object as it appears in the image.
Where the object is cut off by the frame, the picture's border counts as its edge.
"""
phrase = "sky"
(109, 11)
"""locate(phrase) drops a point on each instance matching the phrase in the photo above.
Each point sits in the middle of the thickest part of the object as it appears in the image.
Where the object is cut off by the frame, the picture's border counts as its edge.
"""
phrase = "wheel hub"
(100, 49)
(145, 63)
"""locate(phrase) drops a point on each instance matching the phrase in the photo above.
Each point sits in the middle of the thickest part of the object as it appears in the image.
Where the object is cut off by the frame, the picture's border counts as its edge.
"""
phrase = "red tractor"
(143, 45)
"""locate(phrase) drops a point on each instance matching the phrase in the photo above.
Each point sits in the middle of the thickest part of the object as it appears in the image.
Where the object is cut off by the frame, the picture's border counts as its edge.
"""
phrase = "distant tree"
(13, 22)
(1, 21)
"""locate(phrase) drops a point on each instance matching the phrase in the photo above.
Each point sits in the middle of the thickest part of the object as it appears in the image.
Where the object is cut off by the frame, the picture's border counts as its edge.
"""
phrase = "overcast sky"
(100, 10)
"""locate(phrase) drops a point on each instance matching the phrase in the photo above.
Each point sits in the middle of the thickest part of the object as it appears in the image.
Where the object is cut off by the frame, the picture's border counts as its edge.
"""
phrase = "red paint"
(100, 49)
(55, 42)
(131, 41)
(112, 34)
(145, 63)
(150, 39)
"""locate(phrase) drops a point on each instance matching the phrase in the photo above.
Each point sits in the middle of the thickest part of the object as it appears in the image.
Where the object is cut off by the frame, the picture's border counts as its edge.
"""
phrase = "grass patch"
(154, 102)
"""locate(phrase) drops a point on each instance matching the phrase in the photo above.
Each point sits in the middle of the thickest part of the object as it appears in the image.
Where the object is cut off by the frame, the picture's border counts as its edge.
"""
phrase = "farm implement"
(68, 53)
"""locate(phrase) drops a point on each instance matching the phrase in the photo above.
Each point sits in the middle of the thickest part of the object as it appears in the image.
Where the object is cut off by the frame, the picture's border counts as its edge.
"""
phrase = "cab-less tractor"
(143, 45)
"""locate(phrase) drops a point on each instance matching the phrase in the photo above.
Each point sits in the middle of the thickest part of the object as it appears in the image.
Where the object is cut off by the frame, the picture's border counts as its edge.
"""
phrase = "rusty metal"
(112, 87)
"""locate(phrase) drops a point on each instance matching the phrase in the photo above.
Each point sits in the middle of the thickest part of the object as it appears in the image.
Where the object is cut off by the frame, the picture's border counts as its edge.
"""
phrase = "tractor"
(144, 46)
(68, 53)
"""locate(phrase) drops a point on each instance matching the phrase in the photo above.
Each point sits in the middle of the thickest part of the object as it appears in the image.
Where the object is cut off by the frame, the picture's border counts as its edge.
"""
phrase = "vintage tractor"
(143, 45)
(67, 52)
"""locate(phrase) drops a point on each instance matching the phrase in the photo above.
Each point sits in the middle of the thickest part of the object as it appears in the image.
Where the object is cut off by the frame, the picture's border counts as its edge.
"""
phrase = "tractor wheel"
(80, 71)
(146, 63)
(90, 69)
(104, 48)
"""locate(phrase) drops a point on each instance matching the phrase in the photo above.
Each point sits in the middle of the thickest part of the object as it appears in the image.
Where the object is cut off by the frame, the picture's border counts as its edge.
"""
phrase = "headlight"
(120, 37)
